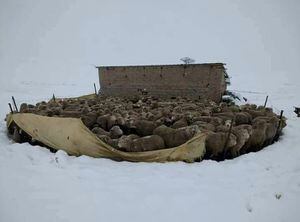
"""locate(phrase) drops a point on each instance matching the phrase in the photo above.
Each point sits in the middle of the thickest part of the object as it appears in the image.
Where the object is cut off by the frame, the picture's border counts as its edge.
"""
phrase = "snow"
(51, 47)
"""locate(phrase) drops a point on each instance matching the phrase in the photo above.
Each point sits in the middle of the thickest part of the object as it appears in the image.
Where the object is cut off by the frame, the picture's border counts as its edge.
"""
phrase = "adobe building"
(204, 81)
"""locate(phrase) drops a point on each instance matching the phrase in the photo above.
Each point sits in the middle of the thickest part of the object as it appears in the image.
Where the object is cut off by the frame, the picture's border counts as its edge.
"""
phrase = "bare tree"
(187, 60)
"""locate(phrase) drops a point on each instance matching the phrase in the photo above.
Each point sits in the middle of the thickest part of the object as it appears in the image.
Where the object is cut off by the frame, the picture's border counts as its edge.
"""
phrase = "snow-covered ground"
(36, 185)
(49, 47)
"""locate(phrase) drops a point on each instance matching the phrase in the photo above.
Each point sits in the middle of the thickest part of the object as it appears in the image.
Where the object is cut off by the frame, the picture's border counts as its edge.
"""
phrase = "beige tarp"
(72, 136)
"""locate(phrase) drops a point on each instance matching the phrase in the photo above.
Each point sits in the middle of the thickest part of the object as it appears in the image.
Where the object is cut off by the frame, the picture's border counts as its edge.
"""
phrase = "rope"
(251, 92)
(270, 102)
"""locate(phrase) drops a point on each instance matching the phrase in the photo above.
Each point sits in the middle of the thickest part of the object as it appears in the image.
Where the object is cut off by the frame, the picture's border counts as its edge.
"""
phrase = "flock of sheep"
(143, 123)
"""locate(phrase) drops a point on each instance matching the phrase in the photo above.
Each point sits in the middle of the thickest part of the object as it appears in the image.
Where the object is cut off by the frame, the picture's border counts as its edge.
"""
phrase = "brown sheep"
(206, 112)
(204, 126)
(120, 121)
(56, 111)
(166, 133)
(262, 112)
(189, 117)
(215, 144)
(272, 126)
(113, 143)
(73, 114)
(210, 119)
(224, 108)
(222, 128)
(176, 137)
(242, 118)
(23, 108)
(176, 116)
(100, 131)
(16, 136)
(258, 137)
(248, 107)
(144, 127)
(102, 121)
(180, 123)
(104, 138)
(111, 121)
(150, 116)
(242, 136)
(164, 121)
(90, 119)
(225, 116)
(115, 132)
(44, 107)
(147, 143)
(85, 110)
(125, 143)
(71, 107)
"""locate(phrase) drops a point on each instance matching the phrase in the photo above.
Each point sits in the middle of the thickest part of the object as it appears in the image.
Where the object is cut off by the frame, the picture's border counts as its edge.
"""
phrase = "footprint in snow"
(278, 196)
(249, 207)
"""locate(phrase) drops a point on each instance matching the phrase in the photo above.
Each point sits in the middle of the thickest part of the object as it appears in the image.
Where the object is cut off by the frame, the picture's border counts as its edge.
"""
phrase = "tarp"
(72, 136)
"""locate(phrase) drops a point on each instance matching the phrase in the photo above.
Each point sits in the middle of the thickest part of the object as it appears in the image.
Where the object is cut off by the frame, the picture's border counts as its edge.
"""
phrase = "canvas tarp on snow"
(72, 136)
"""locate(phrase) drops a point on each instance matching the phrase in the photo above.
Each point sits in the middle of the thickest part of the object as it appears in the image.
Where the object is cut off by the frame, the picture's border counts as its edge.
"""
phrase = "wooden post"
(278, 130)
(227, 138)
(95, 89)
(15, 105)
(266, 101)
(11, 110)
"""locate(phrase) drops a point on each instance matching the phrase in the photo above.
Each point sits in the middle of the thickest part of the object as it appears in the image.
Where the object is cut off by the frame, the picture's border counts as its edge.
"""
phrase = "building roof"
(194, 64)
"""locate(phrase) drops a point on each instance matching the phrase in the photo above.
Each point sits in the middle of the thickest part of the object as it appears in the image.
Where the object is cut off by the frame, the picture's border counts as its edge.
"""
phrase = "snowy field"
(50, 48)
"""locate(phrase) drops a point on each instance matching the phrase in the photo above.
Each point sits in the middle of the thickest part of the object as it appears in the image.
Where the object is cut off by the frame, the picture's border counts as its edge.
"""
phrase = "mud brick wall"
(193, 80)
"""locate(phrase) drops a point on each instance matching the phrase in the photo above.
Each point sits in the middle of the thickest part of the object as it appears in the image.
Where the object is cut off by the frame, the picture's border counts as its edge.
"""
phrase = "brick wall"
(194, 80)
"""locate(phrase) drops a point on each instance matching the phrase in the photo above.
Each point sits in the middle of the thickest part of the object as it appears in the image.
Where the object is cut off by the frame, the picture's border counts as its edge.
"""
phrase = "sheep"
(261, 113)
(120, 121)
(111, 121)
(210, 119)
(115, 132)
(248, 107)
(125, 143)
(242, 118)
(176, 137)
(242, 136)
(272, 127)
(224, 108)
(180, 123)
(176, 120)
(215, 144)
(102, 121)
(258, 137)
(147, 143)
(16, 136)
(204, 126)
(113, 143)
(73, 114)
(104, 138)
(144, 127)
(225, 116)
(23, 108)
(100, 131)
(90, 119)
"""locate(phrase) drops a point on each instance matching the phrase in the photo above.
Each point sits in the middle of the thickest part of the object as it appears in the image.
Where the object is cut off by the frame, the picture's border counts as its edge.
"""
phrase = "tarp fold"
(72, 136)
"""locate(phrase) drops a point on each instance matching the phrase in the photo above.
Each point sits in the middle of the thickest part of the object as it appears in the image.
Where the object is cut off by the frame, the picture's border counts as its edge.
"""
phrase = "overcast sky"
(46, 40)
